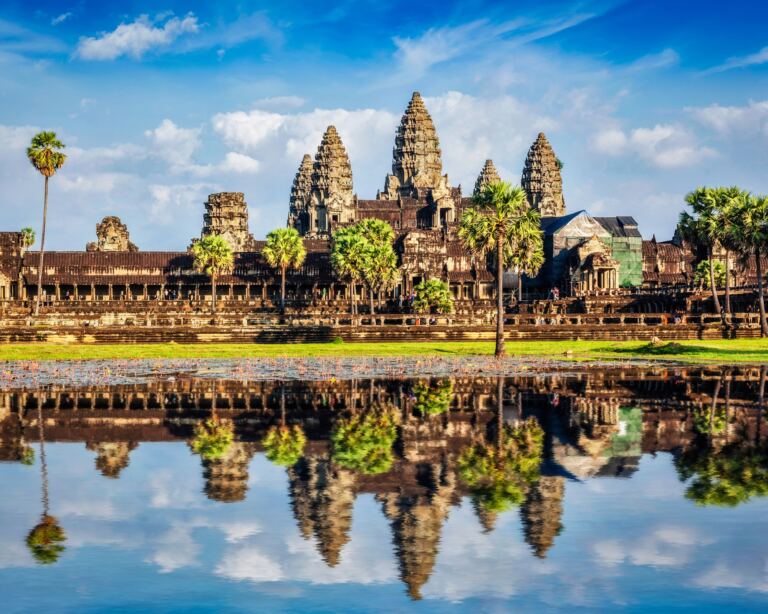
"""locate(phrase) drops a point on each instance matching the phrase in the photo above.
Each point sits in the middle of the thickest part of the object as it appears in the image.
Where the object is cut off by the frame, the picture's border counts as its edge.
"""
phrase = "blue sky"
(163, 103)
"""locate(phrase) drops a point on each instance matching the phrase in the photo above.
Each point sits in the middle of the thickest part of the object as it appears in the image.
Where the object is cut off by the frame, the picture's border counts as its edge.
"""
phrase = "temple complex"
(595, 262)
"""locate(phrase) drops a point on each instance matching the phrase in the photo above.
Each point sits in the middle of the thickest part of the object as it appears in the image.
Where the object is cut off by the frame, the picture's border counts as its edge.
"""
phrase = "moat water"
(631, 488)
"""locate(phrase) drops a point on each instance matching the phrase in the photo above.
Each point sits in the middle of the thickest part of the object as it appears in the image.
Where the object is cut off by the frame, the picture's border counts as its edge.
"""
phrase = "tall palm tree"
(380, 267)
(728, 210)
(213, 256)
(497, 223)
(349, 253)
(284, 250)
(703, 227)
(751, 230)
(526, 255)
(45, 155)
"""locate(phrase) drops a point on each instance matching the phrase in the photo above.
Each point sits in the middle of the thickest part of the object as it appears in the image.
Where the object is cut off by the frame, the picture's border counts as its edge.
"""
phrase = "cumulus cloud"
(664, 546)
(170, 202)
(751, 118)
(174, 144)
(136, 38)
(664, 145)
(248, 563)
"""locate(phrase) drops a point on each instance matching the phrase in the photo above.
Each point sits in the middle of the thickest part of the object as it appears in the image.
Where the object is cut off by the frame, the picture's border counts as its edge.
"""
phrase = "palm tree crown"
(213, 256)
(284, 250)
(44, 153)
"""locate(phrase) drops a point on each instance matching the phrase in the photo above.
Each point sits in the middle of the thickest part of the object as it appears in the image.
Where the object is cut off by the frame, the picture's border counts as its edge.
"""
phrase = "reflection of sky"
(151, 541)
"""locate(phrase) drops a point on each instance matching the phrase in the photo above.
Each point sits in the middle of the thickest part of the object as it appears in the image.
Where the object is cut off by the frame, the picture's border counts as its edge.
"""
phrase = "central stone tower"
(416, 157)
(541, 179)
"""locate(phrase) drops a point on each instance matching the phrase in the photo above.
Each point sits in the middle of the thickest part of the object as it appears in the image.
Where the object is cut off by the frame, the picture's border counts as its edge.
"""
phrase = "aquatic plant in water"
(284, 445)
(213, 438)
(364, 441)
(500, 473)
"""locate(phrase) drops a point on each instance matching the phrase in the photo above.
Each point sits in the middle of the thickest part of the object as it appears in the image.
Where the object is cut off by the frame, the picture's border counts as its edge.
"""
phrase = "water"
(644, 492)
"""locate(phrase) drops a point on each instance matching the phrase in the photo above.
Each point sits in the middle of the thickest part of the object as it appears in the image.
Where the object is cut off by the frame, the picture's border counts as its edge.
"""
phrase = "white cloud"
(175, 549)
(753, 59)
(656, 61)
(239, 163)
(136, 38)
(170, 202)
(61, 18)
(664, 546)
(173, 144)
(664, 145)
(749, 119)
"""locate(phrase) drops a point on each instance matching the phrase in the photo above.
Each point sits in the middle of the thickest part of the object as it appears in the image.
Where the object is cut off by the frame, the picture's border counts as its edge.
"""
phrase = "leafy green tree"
(497, 224)
(702, 276)
(27, 237)
(380, 267)
(363, 442)
(213, 437)
(213, 256)
(433, 399)
(433, 296)
(284, 249)
(350, 251)
(500, 474)
(526, 254)
(44, 153)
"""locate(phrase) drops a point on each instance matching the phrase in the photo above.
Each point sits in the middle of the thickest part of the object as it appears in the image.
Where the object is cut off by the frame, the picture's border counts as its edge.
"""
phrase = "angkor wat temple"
(585, 255)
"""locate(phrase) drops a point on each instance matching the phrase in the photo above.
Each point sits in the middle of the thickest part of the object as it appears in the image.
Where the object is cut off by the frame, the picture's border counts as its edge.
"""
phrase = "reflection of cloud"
(238, 531)
(665, 546)
(170, 492)
(176, 549)
(247, 563)
(721, 575)
(102, 509)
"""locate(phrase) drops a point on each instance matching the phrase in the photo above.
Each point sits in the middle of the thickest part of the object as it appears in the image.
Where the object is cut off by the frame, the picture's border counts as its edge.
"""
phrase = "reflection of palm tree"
(499, 474)
(45, 540)
(363, 442)
(284, 445)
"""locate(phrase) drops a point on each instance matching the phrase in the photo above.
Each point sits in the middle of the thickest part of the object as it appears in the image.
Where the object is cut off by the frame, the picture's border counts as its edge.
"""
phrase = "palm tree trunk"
(42, 251)
(727, 282)
(519, 287)
(282, 288)
(352, 297)
(712, 284)
(499, 299)
(760, 294)
(370, 300)
(499, 412)
(213, 292)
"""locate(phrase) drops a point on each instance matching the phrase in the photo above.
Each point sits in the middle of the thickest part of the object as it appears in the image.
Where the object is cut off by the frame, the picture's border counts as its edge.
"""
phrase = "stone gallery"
(583, 254)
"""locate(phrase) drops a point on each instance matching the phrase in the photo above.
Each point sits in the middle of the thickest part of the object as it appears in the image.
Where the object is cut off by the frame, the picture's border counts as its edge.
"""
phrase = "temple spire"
(489, 174)
(416, 157)
(331, 200)
(541, 179)
(300, 194)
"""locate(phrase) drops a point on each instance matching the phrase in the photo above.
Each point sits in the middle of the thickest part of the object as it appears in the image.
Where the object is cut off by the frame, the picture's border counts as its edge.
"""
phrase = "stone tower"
(112, 456)
(298, 212)
(541, 179)
(226, 214)
(226, 477)
(111, 236)
(489, 174)
(416, 157)
(331, 201)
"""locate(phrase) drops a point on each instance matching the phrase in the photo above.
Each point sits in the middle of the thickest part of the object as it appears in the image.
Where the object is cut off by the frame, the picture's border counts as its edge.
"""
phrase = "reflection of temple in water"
(596, 424)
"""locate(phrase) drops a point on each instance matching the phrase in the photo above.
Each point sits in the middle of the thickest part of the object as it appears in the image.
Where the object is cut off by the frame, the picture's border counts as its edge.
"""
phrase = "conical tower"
(332, 202)
(416, 157)
(542, 512)
(112, 456)
(541, 179)
(298, 214)
(489, 174)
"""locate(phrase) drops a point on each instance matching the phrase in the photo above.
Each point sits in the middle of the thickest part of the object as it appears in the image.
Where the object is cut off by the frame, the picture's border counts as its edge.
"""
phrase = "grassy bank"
(720, 351)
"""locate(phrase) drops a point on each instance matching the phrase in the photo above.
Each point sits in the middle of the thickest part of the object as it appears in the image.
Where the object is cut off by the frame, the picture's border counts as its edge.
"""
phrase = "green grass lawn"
(719, 351)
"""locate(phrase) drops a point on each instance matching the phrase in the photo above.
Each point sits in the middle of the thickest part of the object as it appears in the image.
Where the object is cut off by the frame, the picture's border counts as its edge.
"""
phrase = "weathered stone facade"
(111, 236)
(541, 179)
(298, 207)
(226, 215)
